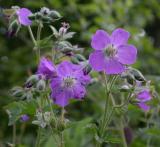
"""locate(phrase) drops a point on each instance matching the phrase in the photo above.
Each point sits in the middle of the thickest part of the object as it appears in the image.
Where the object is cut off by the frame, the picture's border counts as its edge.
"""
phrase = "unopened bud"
(54, 15)
(32, 80)
(17, 92)
(137, 74)
(41, 85)
(80, 57)
(87, 69)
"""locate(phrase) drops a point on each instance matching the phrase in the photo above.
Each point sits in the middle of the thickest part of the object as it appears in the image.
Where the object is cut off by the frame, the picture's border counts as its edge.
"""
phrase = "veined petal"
(65, 68)
(113, 66)
(119, 37)
(100, 40)
(97, 60)
(144, 107)
(79, 91)
(61, 99)
(23, 15)
(127, 54)
(144, 96)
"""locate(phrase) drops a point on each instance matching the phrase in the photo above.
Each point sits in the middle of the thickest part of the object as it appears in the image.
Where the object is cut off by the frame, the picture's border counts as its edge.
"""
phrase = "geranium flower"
(143, 97)
(112, 52)
(23, 15)
(69, 83)
(46, 68)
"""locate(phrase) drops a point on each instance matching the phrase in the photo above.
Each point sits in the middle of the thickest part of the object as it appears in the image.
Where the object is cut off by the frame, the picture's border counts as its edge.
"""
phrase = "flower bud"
(124, 88)
(32, 80)
(17, 92)
(41, 85)
(54, 15)
(44, 11)
(80, 57)
(87, 69)
(137, 74)
(14, 27)
(47, 117)
(74, 60)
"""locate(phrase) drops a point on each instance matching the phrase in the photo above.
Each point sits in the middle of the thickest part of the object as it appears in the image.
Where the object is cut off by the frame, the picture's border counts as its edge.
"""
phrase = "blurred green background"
(140, 17)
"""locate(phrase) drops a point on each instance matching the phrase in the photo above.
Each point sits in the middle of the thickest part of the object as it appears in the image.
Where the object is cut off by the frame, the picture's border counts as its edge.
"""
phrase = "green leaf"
(16, 109)
(111, 139)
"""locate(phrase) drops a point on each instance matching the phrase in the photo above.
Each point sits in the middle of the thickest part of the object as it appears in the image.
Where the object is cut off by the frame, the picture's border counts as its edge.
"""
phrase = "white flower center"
(110, 51)
(68, 82)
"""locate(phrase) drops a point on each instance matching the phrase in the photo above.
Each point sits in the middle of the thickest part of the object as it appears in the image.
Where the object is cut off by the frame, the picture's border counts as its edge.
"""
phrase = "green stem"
(54, 137)
(62, 121)
(107, 112)
(40, 26)
(122, 134)
(14, 134)
(38, 138)
(36, 48)
(32, 36)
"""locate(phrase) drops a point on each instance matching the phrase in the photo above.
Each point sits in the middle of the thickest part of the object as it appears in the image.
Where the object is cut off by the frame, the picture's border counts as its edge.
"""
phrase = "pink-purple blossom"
(24, 118)
(69, 83)
(111, 52)
(46, 68)
(143, 97)
(23, 16)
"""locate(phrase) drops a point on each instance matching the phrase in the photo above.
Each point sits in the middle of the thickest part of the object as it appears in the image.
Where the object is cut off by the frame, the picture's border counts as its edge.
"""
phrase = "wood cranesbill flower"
(46, 68)
(112, 52)
(143, 97)
(23, 16)
(69, 83)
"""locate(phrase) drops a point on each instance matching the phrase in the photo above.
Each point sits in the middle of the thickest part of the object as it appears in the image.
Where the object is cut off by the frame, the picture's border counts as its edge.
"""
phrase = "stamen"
(111, 51)
(68, 82)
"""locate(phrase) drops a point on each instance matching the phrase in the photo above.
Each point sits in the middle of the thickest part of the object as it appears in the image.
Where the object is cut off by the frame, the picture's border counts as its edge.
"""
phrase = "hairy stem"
(61, 135)
(122, 134)
(38, 138)
(14, 134)
(109, 109)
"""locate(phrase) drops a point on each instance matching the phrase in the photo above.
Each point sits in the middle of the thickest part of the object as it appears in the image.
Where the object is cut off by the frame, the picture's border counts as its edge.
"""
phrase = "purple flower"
(24, 118)
(143, 97)
(111, 51)
(70, 83)
(46, 68)
(23, 15)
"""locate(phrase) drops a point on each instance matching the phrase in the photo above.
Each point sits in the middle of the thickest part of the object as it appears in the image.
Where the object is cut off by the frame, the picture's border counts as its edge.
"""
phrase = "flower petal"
(119, 37)
(144, 96)
(127, 54)
(23, 15)
(97, 60)
(113, 66)
(47, 68)
(100, 40)
(65, 68)
(79, 91)
(61, 99)
(144, 107)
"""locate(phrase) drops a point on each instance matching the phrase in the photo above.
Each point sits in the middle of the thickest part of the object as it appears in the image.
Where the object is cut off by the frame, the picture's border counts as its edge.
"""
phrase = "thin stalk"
(32, 36)
(40, 26)
(38, 138)
(107, 112)
(54, 137)
(61, 135)
(14, 134)
(36, 48)
(122, 134)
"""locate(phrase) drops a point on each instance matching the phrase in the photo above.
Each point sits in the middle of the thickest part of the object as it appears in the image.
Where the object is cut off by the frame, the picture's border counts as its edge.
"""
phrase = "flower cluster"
(64, 74)
(69, 81)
